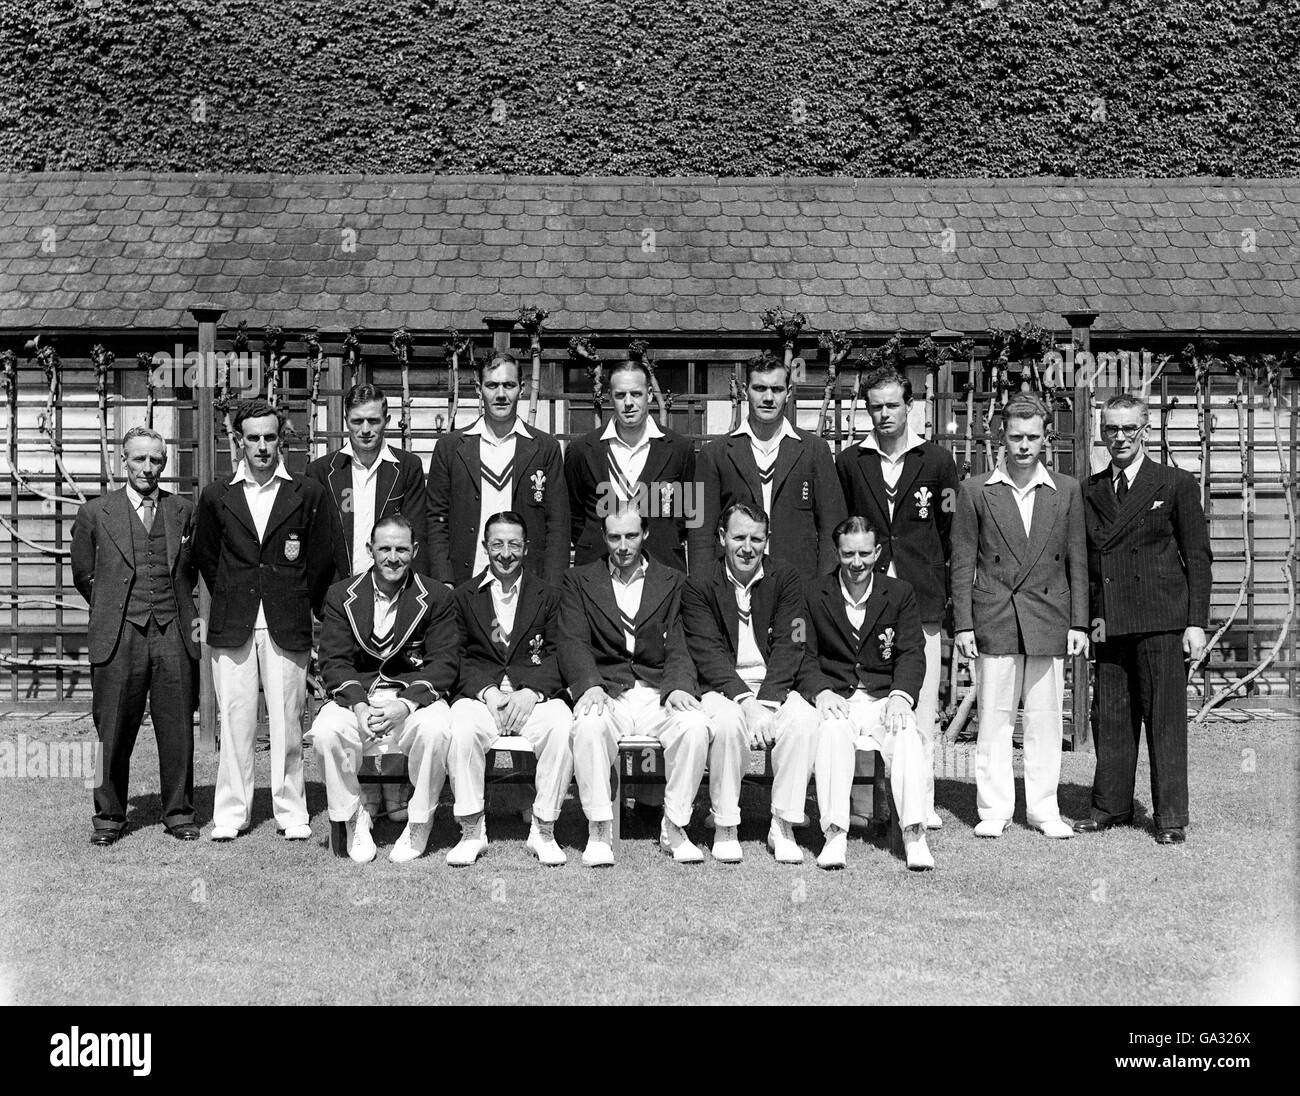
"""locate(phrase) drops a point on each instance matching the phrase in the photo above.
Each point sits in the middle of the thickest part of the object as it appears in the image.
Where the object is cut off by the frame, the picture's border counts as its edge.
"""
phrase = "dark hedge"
(653, 87)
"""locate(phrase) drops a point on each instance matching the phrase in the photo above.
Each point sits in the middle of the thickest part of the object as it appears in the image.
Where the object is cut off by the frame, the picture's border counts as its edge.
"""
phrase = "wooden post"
(1080, 692)
(207, 315)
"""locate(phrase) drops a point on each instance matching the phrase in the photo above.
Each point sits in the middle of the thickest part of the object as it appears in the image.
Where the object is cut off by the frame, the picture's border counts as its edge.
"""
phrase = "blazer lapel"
(726, 596)
(286, 502)
(525, 450)
(742, 456)
(870, 463)
(834, 602)
(468, 453)
(359, 608)
(655, 460)
(657, 586)
(911, 469)
(601, 586)
(787, 456)
(237, 504)
(169, 507)
(118, 516)
(340, 480)
(385, 478)
(1138, 500)
(1101, 497)
(411, 606)
(530, 600)
(875, 606)
(1047, 509)
(1002, 505)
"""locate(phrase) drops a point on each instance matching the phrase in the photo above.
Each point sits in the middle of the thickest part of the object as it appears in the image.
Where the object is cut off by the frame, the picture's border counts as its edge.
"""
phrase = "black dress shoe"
(184, 831)
(1091, 825)
(1172, 836)
(105, 837)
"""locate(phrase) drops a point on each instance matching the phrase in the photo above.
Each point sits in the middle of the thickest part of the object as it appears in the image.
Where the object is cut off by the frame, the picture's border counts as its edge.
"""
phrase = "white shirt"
(260, 499)
(628, 597)
(497, 457)
(363, 504)
(629, 459)
(857, 613)
(1024, 496)
(504, 604)
(136, 499)
(765, 457)
(750, 664)
(891, 469)
(1129, 473)
(385, 618)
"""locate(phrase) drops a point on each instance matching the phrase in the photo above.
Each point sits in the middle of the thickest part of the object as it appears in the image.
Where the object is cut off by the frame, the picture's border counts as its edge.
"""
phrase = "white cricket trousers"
(795, 727)
(903, 754)
(423, 738)
(1036, 684)
(473, 730)
(685, 736)
(236, 672)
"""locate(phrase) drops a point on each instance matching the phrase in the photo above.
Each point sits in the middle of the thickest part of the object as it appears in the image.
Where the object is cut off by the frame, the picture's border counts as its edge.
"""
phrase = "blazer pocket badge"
(535, 650)
(806, 486)
(539, 484)
(666, 500)
(923, 498)
(886, 643)
(415, 657)
(292, 547)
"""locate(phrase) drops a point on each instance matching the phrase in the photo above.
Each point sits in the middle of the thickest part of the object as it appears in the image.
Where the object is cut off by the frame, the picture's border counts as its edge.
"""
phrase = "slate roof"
(135, 250)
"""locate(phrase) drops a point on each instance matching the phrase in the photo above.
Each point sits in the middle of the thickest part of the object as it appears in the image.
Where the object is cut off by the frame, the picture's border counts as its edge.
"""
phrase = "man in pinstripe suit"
(1149, 563)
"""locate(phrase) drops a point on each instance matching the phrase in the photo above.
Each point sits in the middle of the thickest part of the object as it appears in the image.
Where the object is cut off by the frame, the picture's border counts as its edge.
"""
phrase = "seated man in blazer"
(864, 666)
(745, 627)
(133, 546)
(631, 460)
(388, 659)
(497, 464)
(509, 685)
(1020, 605)
(624, 657)
(262, 544)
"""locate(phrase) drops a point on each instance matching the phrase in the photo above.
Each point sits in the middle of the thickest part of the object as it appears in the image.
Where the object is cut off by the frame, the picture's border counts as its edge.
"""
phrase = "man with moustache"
(624, 658)
(745, 627)
(1020, 605)
(509, 685)
(906, 487)
(771, 466)
(262, 544)
(1149, 563)
(864, 666)
(388, 659)
(497, 464)
(631, 461)
(131, 562)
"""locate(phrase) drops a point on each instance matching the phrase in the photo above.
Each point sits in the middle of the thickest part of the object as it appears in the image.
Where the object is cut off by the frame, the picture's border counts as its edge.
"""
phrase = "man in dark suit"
(768, 464)
(632, 461)
(745, 627)
(1149, 564)
(509, 685)
(863, 666)
(1020, 605)
(906, 487)
(262, 544)
(388, 657)
(131, 562)
(624, 658)
(497, 464)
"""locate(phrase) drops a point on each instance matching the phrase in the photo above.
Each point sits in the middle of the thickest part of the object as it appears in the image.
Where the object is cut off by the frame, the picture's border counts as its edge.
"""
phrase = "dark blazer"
(422, 665)
(670, 461)
(531, 659)
(807, 502)
(399, 489)
(103, 565)
(1020, 595)
(455, 492)
(711, 621)
(918, 541)
(592, 649)
(879, 662)
(1149, 560)
(288, 572)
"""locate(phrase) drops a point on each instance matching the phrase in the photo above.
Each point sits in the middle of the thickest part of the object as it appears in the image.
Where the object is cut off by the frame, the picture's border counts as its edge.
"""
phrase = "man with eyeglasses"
(1149, 562)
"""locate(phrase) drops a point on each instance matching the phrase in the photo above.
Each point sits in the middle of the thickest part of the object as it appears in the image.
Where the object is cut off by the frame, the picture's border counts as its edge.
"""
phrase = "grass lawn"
(1111, 919)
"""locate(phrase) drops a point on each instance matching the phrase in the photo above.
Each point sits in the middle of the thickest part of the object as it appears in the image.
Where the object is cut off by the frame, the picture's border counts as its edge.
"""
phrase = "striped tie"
(765, 473)
(618, 478)
(891, 495)
(629, 629)
(499, 481)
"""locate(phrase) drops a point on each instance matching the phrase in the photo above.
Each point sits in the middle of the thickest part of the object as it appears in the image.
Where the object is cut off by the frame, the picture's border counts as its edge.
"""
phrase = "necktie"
(146, 513)
(1121, 487)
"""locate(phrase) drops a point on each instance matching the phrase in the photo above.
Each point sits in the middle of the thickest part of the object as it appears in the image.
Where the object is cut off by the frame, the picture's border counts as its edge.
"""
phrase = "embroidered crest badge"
(538, 480)
(415, 657)
(886, 643)
(666, 500)
(535, 650)
(806, 486)
(292, 547)
(923, 498)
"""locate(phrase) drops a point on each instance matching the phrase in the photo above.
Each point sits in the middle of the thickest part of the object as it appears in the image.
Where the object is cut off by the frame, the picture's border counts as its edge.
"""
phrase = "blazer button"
(997, 559)
(1058, 557)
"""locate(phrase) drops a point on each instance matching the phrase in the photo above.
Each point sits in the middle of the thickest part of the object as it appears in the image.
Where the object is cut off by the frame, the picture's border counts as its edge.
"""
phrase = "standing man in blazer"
(624, 657)
(1149, 564)
(497, 464)
(262, 544)
(1020, 605)
(509, 685)
(772, 466)
(632, 461)
(906, 487)
(745, 627)
(131, 562)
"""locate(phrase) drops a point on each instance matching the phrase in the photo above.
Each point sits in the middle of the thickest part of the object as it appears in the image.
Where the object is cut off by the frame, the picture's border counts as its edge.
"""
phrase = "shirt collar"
(386, 453)
(848, 600)
(910, 441)
(480, 428)
(135, 498)
(736, 582)
(242, 476)
(1130, 472)
(639, 573)
(381, 596)
(489, 579)
(650, 430)
(1042, 477)
(786, 431)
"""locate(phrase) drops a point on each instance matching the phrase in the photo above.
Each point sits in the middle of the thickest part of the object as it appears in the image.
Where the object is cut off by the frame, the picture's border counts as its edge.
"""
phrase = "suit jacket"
(711, 621)
(399, 489)
(455, 492)
(918, 541)
(592, 648)
(421, 665)
(807, 502)
(1148, 560)
(1019, 594)
(288, 571)
(531, 657)
(881, 660)
(670, 461)
(103, 565)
